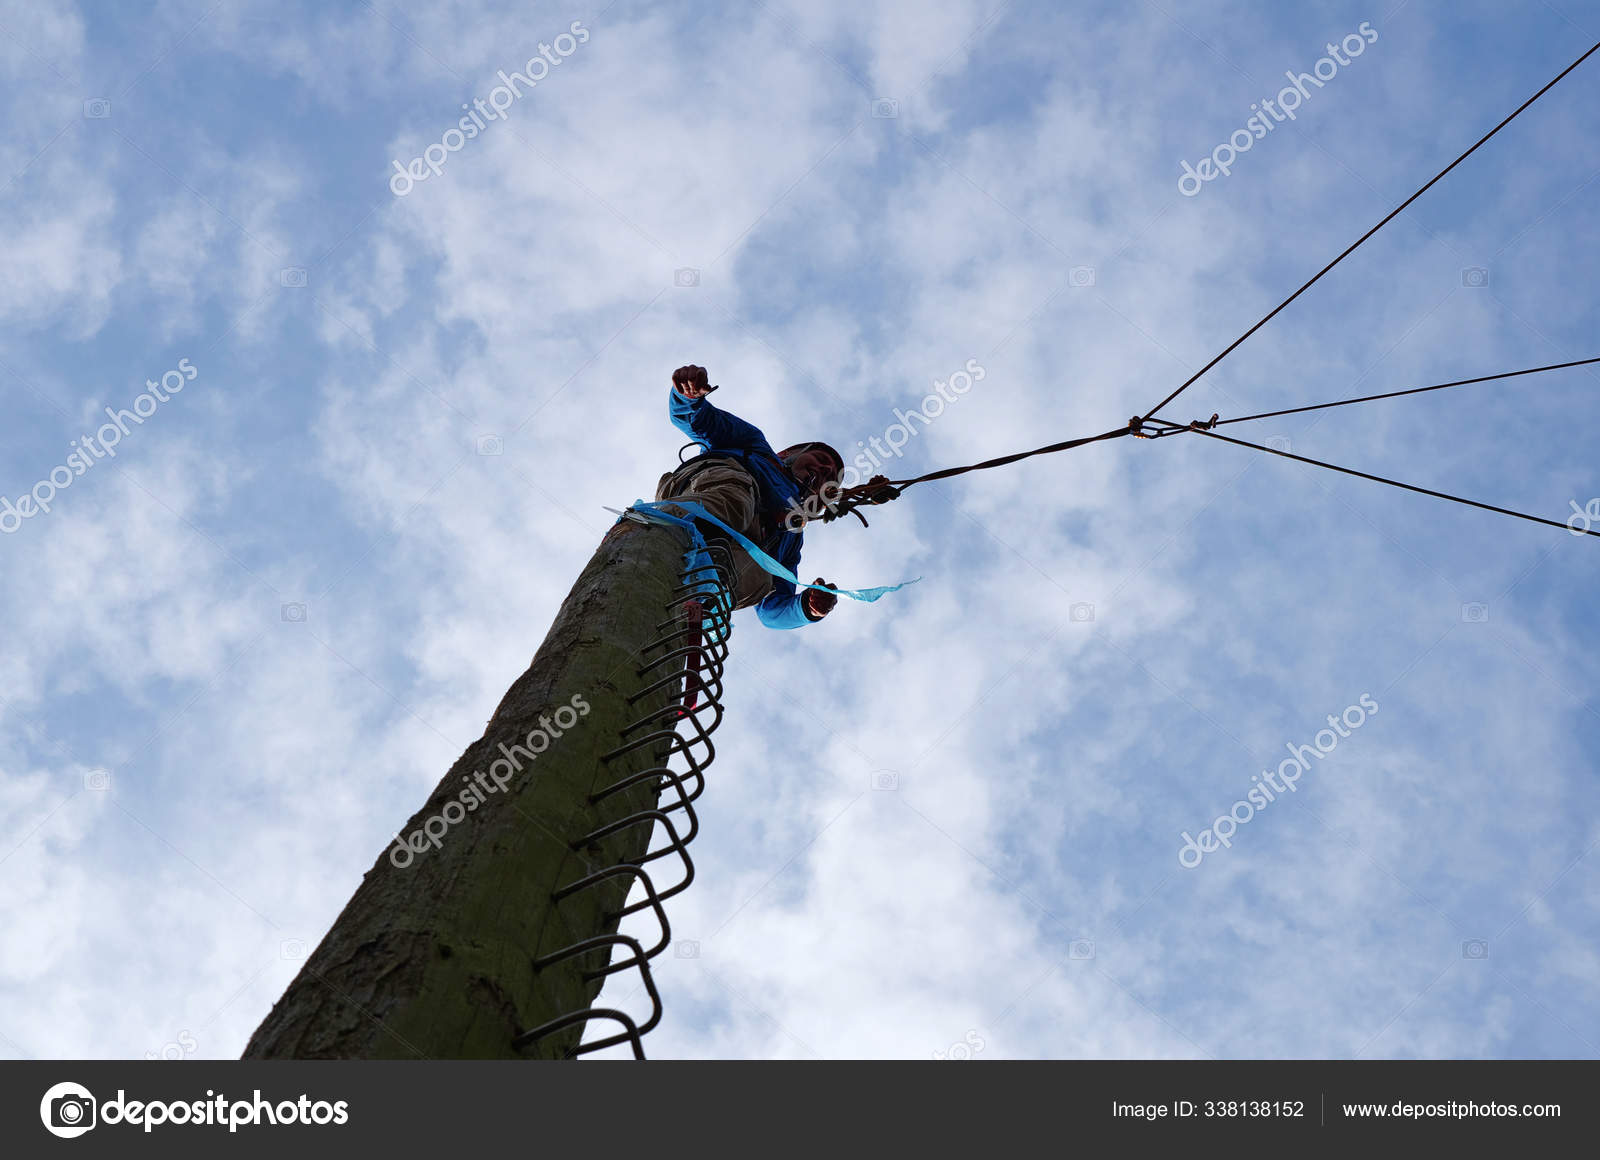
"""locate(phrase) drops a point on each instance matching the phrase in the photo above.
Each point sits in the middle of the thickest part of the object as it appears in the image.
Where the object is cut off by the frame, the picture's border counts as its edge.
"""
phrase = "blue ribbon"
(653, 511)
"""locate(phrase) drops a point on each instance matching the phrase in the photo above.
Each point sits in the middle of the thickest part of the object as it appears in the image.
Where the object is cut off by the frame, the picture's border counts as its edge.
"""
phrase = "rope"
(1381, 479)
(1351, 249)
(948, 472)
(1412, 391)
(881, 490)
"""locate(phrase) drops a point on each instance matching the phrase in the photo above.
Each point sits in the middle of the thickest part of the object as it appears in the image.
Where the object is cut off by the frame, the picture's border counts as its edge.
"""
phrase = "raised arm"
(712, 428)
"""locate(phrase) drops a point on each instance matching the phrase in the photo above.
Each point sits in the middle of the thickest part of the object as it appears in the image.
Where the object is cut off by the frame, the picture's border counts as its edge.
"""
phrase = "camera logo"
(1475, 613)
(885, 779)
(1080, 948)
(1279, 443)
(973, 1043)
(292, 276)
(686, 276)
(686, 948)
(1081, 276)
(491, 445)
(172, 1052)
(886, 108)
(293, 612)
(67, 1110)
(1475, 948)
(1474, 276)
(96, 109)
(1080, 613)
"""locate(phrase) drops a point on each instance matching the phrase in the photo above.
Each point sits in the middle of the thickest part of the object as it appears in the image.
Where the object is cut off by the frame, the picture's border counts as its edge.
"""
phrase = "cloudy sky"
(240, 651)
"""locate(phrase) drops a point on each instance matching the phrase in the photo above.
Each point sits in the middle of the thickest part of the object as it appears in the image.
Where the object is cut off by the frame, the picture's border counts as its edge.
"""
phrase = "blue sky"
(193, 778)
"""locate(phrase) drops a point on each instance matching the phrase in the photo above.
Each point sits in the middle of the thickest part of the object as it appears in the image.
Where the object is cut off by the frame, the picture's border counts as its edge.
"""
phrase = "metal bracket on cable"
(1158, 429)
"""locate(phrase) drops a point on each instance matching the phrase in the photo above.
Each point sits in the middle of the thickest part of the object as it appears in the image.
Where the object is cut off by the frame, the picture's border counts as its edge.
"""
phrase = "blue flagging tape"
(697, 556)
(696, 561)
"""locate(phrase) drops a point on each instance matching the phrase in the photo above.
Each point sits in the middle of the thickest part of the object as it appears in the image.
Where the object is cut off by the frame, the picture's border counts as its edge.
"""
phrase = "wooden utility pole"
(433, 956)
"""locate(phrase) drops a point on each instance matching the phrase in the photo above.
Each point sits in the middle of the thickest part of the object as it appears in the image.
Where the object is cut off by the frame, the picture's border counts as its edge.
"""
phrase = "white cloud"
(1046, 764)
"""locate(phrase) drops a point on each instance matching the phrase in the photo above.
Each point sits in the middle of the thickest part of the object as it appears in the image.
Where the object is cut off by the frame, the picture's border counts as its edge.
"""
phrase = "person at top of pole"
(741, 480)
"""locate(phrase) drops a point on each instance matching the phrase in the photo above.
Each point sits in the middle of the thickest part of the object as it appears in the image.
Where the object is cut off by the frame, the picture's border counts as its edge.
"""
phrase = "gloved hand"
(690, 382)
(882, 491)
(818, 604)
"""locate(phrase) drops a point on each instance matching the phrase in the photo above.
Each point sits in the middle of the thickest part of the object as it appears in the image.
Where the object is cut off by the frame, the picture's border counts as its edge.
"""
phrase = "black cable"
(1413, 391)
(1392, 214)
(879, 490)
(1380, 479)
(1005, 459)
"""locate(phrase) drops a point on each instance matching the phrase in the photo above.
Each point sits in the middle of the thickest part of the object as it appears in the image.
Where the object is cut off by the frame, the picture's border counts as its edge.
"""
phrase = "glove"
(882, 490)
(690, 382)
(818, 604)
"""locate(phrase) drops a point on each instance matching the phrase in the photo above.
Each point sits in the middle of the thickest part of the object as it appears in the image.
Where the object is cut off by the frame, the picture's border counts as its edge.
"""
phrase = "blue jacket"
(721, 433)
